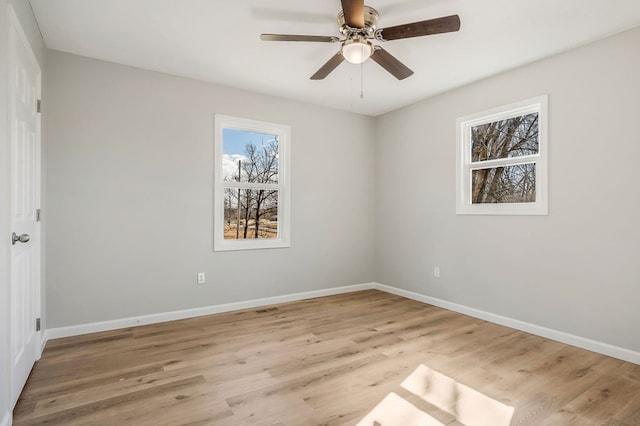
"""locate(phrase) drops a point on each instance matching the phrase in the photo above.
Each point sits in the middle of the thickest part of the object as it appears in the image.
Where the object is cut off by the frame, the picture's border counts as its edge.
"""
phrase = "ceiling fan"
(358, 25)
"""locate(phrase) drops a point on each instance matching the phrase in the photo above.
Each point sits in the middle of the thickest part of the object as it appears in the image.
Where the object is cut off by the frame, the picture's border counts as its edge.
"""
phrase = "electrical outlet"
(201, 278)
(436, 272)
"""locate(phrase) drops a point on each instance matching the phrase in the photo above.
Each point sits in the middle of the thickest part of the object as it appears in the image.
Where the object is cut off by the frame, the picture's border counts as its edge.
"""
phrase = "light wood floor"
(322, 361)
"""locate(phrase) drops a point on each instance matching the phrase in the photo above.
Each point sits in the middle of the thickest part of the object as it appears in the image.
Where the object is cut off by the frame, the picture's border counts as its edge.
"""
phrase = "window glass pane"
(250, 155)
(512, 137)
(256, 210)
(507, 184)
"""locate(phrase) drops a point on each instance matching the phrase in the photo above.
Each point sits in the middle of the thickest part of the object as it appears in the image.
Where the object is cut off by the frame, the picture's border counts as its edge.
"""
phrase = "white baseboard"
(75, 330)
(6, 419)
(570, 339)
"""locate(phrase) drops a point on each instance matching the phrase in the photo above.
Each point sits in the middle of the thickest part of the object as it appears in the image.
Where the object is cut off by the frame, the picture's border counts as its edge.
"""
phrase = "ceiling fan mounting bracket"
(377, 34)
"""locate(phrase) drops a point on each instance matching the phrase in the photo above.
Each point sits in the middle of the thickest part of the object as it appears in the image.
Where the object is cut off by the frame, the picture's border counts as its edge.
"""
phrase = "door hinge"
(38, 215)
(39, 105)
(37, 324)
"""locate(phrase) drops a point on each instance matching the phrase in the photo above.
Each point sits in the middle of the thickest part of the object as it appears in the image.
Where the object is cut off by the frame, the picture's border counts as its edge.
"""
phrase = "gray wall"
(129, 181)
(23, 11)
(128, 175)
(575, 270)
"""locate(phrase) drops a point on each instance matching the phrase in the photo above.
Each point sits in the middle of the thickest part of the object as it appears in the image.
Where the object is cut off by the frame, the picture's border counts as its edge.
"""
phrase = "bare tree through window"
(252, 212)
(501, 160)
(508, 138)
(252, 195)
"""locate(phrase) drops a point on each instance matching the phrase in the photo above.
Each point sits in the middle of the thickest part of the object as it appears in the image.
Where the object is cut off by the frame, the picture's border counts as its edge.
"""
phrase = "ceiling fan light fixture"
(357, 50)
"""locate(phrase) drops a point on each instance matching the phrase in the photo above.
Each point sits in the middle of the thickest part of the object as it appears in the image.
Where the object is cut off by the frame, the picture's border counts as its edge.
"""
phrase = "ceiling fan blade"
(353, 13)
(326, 69)
(296, 37)
(391, 64)
(445, 24)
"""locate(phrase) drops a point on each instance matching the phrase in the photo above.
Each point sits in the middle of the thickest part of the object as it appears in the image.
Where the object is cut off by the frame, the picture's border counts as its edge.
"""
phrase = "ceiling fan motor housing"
(370, 21)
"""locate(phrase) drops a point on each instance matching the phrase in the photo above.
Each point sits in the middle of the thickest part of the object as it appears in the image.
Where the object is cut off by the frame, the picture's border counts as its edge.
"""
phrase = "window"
(251, 195)
(502, 161)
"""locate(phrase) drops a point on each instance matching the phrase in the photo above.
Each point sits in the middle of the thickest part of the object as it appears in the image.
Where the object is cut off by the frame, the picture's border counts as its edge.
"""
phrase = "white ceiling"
(218, 41)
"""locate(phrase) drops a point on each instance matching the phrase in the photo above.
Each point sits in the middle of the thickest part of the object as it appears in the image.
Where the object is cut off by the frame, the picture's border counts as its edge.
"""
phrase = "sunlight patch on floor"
(395, 411)
(468, 406)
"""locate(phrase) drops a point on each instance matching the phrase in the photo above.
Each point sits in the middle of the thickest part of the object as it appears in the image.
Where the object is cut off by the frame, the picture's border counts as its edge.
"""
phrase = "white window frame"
(283, 186)
(464, 166)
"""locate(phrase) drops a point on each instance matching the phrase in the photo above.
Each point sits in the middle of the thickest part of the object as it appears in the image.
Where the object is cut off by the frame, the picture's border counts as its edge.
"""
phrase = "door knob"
(19, 238)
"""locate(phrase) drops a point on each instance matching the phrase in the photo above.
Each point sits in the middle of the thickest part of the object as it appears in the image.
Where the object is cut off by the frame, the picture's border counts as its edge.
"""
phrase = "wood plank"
(325, 361)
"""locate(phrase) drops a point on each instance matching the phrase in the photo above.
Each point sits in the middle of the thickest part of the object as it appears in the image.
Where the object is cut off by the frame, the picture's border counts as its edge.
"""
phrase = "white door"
(24, 135)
